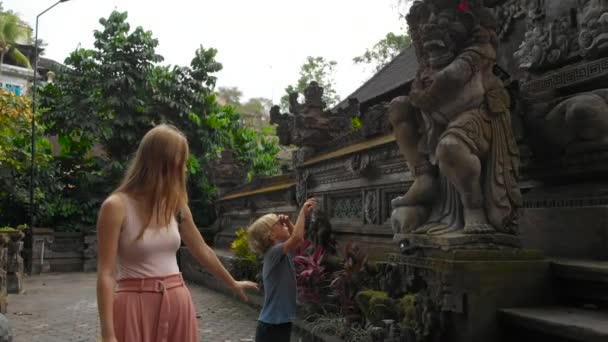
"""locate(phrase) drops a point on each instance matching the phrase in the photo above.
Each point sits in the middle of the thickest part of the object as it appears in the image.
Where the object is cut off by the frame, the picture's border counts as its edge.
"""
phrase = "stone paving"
(63, 307)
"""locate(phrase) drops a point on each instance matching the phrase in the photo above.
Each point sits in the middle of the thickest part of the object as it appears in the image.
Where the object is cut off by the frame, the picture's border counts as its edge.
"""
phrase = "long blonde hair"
(157, 174)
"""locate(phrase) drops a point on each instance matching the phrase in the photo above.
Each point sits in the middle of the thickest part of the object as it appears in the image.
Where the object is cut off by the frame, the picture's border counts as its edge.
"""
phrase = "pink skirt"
(156, 309)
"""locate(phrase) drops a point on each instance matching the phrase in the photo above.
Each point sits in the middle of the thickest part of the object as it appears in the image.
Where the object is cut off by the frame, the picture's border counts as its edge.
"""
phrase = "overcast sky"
(261, 43)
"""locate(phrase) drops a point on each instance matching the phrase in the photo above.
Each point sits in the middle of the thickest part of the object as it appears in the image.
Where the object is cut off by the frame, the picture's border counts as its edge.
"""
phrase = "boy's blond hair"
(259, 233)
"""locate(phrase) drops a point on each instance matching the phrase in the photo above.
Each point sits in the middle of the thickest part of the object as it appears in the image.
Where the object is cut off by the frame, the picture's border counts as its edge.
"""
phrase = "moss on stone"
(407, 311)
(376, 305)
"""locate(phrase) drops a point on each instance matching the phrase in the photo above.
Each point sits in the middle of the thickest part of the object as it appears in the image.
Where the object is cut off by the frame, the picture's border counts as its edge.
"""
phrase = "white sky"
(261, 43)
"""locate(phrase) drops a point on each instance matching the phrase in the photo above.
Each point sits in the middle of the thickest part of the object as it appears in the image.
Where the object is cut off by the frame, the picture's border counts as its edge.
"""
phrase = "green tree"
(11, 32)
(316, 69)
(230, 95)
(15, 152)
(111, 95)
(384, 50)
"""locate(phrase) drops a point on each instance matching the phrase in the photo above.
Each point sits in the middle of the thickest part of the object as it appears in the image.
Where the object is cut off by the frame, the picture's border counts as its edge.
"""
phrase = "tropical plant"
(247, 264)
(240, 246)
(15, 154)
(11, 32)
(352, 278)
(311, 276)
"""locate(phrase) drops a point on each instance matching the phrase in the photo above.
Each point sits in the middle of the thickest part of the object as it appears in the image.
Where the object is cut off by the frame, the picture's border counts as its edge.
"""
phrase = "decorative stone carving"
(346, 206)
(302, 186)
(552, 42)
(375, 120)
(359, 165)
(228, 172)
(15, 266)
(284, 124)
(454, 129)
(309, 124)
(370, 207)
(577, 123)
(593, 34)
(507, 14)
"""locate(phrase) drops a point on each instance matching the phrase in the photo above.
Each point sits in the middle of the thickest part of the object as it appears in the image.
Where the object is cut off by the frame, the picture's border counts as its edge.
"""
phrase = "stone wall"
(240, 206)
(355, 185)
(63, 252)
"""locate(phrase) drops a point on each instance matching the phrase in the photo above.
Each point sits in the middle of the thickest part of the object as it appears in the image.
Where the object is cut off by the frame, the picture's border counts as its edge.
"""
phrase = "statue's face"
(438, 45)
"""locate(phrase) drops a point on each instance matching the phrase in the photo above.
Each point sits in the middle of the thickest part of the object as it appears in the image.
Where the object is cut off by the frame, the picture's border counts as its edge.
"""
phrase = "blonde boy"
(275, 238)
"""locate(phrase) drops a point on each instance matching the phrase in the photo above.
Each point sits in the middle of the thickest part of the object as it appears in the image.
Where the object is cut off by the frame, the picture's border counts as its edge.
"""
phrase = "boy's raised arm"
(297, 235)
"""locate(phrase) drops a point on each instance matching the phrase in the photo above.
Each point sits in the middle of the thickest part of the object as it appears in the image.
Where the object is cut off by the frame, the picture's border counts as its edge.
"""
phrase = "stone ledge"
(457, 242)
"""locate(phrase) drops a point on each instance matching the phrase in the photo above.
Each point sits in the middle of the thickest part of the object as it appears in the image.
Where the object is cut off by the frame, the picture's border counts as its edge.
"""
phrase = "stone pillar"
(4, 239)
(15, 266)
(90, 252)
(41, 250)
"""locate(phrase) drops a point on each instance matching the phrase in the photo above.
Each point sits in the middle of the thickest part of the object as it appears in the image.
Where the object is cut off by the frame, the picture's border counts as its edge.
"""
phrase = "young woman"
(140, 292)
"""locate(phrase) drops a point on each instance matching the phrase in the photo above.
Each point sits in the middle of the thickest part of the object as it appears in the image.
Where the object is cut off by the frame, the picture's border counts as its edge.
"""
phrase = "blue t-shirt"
(279, 277)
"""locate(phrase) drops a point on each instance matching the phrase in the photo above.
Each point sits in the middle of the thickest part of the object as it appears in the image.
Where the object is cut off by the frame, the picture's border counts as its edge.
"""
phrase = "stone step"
(581, 282)
(558, 323)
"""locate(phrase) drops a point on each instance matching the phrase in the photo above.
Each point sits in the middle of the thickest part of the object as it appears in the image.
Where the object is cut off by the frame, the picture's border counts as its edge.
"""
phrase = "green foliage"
(384, 50)
(240, 246)
(11, 32)
(108, 97)
(7, 229)
(356, 123)
(247, 264)
(316, 69)
(15, 159)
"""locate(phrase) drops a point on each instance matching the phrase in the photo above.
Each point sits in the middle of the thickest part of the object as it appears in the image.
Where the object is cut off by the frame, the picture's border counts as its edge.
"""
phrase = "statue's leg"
(463, 169)
(402, 116)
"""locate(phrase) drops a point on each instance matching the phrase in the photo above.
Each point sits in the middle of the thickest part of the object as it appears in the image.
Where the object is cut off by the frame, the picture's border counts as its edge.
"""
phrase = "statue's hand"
(421, 99)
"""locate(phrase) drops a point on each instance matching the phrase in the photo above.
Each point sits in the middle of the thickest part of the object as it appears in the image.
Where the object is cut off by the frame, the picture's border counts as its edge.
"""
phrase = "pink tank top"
(154, 255)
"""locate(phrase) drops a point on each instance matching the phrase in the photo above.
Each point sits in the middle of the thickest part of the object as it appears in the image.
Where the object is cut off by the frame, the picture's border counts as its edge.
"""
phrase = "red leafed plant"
(311, 274)
(352, 278)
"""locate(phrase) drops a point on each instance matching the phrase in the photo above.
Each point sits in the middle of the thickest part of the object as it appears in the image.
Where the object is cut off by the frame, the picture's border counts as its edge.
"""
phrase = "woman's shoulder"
(116, 202)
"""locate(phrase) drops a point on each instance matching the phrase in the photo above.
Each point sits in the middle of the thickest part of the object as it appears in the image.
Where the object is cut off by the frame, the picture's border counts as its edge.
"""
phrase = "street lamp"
(34, 107)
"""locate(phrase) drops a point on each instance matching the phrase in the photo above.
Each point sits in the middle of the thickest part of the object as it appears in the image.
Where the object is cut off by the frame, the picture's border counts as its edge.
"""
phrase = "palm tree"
(12, 31)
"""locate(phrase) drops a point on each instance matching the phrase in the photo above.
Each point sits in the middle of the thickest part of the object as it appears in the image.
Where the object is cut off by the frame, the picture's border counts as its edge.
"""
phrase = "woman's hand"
(239, 288)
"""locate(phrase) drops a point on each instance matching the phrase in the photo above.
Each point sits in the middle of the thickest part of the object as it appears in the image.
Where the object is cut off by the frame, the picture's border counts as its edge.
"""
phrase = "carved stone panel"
(346, 206)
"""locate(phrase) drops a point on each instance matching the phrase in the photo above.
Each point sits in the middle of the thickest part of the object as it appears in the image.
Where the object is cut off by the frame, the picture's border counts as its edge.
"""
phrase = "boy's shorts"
(267, 332)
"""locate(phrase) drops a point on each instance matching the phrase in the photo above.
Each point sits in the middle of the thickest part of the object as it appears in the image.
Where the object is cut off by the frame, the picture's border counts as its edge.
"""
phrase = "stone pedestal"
(15, 282)
(41, 250)
(459, 292)
(3, 292)
(15, 265)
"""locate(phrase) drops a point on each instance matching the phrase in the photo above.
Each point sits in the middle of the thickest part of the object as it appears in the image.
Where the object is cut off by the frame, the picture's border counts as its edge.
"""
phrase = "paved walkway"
(63, 307)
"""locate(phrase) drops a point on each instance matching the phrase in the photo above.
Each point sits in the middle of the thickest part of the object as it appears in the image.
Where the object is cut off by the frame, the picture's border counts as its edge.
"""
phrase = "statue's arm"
(456, 74)
(448, 81)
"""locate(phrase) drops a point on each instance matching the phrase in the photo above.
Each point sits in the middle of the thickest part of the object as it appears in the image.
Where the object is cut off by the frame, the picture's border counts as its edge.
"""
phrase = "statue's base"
(462, 290)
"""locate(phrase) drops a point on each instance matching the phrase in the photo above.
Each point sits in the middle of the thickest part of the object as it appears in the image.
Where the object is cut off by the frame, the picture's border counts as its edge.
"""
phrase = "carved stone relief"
(370, 207)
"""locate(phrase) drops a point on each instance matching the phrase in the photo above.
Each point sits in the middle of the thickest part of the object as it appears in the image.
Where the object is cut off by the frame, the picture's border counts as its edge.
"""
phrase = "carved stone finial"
(313, 95)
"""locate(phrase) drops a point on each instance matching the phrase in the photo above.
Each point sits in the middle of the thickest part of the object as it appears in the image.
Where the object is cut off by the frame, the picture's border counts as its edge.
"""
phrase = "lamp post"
(34, 107)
